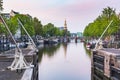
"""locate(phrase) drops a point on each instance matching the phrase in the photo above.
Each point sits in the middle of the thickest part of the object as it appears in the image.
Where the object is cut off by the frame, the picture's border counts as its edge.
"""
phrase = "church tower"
(66, 39)
(65, 25)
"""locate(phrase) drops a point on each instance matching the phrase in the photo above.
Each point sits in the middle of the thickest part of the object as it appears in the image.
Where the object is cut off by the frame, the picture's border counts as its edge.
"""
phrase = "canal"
(64, 62)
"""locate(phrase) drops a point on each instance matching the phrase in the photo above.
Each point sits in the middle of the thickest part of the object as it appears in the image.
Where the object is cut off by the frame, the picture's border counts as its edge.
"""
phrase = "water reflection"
(64, 62)
(49, 50)
(88, 51)
(70, 62)
(65, 49)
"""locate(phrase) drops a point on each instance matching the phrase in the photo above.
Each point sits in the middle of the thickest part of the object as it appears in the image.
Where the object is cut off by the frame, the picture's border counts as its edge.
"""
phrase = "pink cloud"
(80, 8)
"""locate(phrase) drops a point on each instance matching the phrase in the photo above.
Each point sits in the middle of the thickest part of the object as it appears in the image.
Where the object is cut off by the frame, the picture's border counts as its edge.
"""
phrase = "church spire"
(65, 25)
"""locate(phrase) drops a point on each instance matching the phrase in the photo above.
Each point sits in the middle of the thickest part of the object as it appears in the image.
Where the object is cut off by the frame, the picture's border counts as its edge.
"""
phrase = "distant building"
(73, 34)
(61, 28)
(8, 15)
(79, 34)
(13, 13)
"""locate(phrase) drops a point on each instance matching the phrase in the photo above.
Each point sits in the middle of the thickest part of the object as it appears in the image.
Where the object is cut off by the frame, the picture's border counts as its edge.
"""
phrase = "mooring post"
(35, 69)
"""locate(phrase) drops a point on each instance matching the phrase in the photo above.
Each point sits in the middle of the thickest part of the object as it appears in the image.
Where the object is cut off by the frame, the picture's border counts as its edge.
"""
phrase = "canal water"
(64, 62)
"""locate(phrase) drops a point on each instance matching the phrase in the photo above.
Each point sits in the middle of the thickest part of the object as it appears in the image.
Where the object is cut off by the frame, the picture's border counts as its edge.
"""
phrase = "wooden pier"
(6, 59)
(107, 61)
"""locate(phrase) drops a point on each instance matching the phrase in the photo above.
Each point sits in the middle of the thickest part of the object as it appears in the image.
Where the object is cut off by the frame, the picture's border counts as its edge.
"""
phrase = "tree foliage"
(32, 25)
(27, 22)
(49, 29)
(2, 28)
(38, 27)
(97, 27)
(12, 24)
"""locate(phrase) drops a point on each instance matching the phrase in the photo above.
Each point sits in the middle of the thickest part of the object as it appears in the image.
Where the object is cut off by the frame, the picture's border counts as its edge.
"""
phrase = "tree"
(2, 28)
(26, 20)
(48, 30)
(57, 31)
(1, 8)
(108, 12)
(96, 28)
(12, 24)
(28, 23)
(38, 27)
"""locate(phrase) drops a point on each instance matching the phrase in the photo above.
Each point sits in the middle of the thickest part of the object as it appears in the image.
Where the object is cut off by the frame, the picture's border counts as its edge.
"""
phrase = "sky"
(78, 13)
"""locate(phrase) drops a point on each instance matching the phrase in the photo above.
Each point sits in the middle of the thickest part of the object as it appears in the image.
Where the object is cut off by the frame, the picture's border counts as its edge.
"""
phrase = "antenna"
(103, 34)
(19, 61)
(33, 44)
